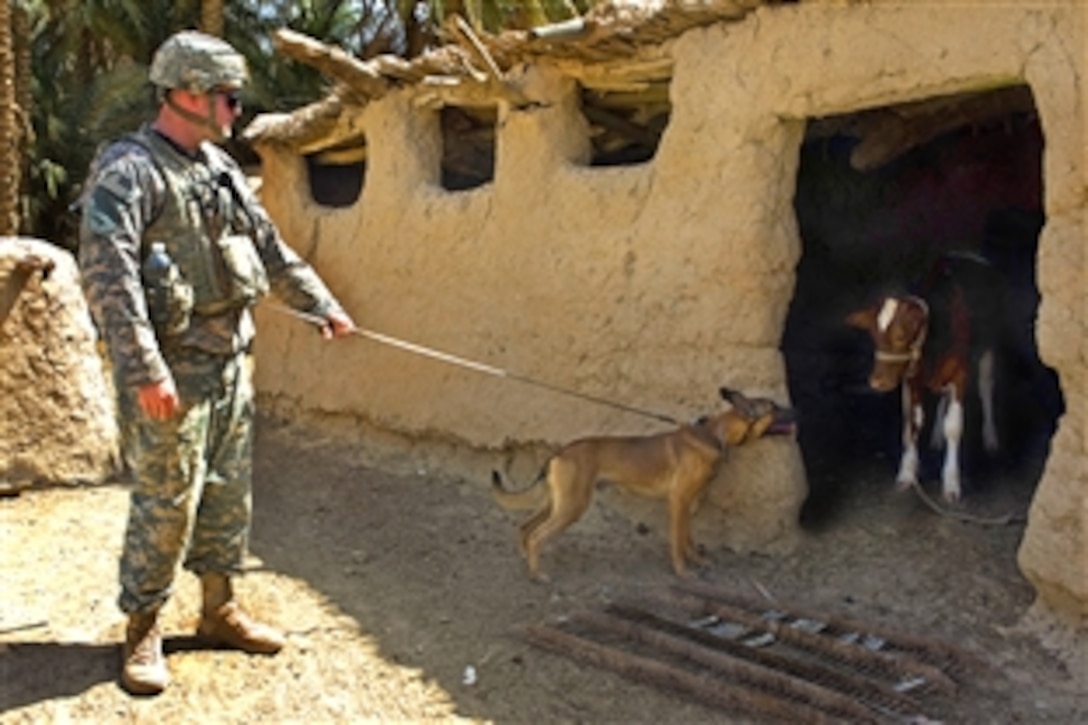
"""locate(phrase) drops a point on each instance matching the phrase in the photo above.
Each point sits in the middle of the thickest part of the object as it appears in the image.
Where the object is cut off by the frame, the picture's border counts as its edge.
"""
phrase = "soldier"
(175, 249)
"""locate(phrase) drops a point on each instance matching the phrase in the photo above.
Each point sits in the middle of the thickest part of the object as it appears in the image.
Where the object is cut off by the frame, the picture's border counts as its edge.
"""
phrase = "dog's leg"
(682, 504)
(691, 549)
(953, 432)
(571, 494)
(986, 382)
(529, 525)
(913, 418)
(679, 538)
(554, 525)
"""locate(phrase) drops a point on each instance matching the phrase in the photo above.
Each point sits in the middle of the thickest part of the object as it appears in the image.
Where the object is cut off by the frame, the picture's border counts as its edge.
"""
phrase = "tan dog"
(675, 466)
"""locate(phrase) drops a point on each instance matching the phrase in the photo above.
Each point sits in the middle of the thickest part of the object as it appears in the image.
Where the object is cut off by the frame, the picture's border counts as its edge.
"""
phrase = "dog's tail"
(533, 497)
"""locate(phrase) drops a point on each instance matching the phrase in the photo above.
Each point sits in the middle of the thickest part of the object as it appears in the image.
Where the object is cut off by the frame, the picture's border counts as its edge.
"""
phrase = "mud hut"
(663, 197)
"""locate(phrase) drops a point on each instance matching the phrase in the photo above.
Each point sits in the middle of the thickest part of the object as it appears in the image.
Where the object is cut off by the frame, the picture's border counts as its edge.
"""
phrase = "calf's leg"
(913, 417)
(953, 433)
(936, 436)
(986, 383)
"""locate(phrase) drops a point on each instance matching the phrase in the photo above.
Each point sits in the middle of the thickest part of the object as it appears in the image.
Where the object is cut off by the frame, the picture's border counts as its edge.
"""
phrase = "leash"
(474, 365)
(1009, 518)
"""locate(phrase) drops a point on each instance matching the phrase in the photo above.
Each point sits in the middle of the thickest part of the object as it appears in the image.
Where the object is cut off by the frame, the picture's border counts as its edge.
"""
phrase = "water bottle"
(158, 272)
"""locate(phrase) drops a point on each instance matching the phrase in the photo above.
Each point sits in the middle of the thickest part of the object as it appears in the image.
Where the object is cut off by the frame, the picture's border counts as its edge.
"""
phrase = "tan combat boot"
(144, 671)
(225, 623)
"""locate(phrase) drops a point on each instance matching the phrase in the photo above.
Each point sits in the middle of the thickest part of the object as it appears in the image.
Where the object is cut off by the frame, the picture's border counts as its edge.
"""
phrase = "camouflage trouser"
(191, 499)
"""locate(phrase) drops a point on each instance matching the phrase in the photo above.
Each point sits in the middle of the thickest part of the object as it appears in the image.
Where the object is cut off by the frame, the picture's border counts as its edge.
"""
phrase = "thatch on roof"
(616, 53)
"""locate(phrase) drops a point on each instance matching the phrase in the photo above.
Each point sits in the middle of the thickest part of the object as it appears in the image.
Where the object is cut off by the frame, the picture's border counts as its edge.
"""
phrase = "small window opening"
(336, 176)
(626, 126)
(468, 146)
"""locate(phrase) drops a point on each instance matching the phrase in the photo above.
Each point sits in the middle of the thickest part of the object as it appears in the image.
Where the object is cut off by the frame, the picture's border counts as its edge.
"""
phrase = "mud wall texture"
(56, 416)
(654, 284)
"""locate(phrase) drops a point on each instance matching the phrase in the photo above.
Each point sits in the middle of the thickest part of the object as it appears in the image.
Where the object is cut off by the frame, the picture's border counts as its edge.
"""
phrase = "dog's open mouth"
(785, 423)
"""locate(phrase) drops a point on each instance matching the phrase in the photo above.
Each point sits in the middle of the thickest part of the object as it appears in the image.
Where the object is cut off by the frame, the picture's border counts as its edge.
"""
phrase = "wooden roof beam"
(362, 77)
(501, 87)
(891, 132)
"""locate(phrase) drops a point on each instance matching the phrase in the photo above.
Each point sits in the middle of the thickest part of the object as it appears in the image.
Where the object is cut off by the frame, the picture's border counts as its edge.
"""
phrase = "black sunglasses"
(232, 97)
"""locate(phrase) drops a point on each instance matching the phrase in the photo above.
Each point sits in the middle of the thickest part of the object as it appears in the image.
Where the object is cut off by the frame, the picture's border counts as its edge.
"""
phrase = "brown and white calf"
(937, 341)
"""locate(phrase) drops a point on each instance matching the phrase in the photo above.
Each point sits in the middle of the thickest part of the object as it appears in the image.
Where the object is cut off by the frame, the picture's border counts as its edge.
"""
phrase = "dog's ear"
(733, 397)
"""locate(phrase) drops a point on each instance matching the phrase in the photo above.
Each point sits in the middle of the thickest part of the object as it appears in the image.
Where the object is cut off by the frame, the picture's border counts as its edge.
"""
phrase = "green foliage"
(363, 28)
(494, 16)
(90, 61)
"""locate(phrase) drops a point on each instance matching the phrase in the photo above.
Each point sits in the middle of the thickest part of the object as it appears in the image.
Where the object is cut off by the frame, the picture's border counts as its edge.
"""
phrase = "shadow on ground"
(429, 569)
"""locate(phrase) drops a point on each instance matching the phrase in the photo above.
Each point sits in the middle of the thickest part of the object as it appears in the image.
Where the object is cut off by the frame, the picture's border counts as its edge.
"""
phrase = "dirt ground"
(392, 586)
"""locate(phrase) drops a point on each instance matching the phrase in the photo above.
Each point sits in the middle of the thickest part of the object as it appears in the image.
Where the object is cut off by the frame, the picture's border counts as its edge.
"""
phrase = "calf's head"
(897, 326)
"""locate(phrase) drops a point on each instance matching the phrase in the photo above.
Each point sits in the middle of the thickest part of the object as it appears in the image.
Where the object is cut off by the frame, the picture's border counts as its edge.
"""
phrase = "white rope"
(469, 364)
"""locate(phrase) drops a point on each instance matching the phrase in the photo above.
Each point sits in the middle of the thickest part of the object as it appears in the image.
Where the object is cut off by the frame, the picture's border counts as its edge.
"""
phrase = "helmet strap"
(206, 121)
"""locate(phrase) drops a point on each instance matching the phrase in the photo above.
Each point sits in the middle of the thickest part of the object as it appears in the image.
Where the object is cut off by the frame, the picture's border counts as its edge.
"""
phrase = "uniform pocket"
(248, 279)
(179, 307)
(170, 300)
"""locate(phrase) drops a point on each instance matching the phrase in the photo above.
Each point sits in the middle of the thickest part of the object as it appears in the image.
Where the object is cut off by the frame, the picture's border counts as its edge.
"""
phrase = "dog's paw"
(697, 557)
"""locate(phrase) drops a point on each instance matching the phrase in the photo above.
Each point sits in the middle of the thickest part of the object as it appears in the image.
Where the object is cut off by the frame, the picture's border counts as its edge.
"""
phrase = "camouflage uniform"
(191, 498)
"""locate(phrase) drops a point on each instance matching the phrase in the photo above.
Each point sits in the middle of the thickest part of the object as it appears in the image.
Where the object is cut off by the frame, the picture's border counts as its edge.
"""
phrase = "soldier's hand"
(338, 324)
(158, 401)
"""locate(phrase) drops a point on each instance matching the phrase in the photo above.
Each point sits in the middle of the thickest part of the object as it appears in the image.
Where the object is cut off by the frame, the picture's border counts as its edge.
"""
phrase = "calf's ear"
(862, 319)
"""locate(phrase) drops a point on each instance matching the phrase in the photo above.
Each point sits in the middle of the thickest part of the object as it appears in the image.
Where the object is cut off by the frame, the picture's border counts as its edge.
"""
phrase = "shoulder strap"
(139, 138)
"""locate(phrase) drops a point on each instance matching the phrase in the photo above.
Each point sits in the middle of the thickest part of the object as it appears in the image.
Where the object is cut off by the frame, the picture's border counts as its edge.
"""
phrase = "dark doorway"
(875, 212)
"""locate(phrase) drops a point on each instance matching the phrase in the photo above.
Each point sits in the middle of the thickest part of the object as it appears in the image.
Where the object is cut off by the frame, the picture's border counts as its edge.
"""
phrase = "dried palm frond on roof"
(615, 48)
(617, 52)
(617, 30)
(300, 128)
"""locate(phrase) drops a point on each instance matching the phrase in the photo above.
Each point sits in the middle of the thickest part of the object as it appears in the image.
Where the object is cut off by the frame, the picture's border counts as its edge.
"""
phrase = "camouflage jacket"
(123, 207)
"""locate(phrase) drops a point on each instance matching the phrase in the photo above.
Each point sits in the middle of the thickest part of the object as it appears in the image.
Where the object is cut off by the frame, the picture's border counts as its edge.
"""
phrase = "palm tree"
(24, 101)
(89, 60)
(211, 17)
(89, 63)
(9, 130)
(495, 16)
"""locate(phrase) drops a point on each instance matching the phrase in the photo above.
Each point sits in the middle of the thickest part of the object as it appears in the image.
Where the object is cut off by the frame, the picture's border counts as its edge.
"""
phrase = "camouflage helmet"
(197, 62)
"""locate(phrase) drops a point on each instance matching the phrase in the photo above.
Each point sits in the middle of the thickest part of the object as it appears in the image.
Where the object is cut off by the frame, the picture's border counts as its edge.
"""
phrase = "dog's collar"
(698, 427)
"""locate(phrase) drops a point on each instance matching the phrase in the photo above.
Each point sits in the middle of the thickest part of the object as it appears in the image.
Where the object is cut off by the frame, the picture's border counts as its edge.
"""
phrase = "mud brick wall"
(654, 284)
